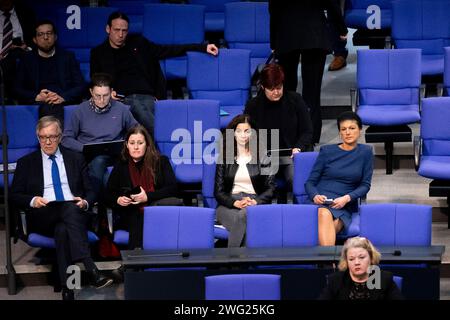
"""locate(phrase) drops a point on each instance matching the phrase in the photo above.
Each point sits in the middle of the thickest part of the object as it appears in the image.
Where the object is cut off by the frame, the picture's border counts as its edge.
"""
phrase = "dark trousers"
(339, 46)
(313, 63)
(67, 224)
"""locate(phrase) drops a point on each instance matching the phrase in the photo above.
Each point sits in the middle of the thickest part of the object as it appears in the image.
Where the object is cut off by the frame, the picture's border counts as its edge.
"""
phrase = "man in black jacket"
(53, 185)
(133, 62)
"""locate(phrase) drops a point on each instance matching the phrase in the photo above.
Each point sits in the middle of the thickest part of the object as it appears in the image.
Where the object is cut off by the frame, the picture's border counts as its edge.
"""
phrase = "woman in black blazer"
(300, 28)
(354, 282)
(141, 178)
(241, 180)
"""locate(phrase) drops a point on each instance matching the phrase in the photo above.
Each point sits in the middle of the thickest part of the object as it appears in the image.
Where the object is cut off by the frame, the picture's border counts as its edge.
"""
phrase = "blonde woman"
(352, 281)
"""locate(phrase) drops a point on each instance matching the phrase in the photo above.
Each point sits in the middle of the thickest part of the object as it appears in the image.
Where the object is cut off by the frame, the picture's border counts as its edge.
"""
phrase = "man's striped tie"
(7, 35)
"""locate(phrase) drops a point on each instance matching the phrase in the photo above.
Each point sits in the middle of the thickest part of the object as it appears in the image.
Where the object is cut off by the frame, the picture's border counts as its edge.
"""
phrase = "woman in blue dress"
(343, 173)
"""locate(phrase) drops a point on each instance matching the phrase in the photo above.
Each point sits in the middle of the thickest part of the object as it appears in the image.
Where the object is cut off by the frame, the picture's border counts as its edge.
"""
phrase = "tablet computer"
(109, 148)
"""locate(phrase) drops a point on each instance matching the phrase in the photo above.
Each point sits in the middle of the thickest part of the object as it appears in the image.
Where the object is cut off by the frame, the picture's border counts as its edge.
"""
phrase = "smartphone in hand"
(328, 201)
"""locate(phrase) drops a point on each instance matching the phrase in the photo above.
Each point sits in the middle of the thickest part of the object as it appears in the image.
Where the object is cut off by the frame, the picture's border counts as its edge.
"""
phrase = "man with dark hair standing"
(53, 184)
(49, 76)
(133, 62)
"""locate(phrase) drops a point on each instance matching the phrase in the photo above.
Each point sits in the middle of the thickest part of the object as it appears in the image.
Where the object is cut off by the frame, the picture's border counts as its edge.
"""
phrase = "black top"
(140, 58)
(289, 114)
(263, 183)
(49, 78)
(165, 183)
(303, 24)
(340, 286)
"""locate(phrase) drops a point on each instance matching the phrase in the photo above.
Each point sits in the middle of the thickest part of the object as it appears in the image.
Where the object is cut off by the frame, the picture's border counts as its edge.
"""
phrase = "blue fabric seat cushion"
(389, 115)
(435, 167)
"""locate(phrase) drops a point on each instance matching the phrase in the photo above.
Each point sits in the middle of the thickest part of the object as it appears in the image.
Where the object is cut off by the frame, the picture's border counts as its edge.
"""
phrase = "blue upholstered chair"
(178, 228)
(214, 13)
(174, 24)
(363, 16)
(447, 71)
(180, 134)
(432, 148)
(88, 34)
(303, 164)
(281, 225)
(209, 201)
(225, 78)
(388, 94)
(396, 224)
(21, 129)
(243, 287)
(430, 30)
(247, 27)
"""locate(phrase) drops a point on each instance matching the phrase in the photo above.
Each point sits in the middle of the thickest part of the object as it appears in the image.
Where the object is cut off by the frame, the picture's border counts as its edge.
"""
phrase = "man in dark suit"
(300, 28)
(19, 21)
(49, 76)
(53, 184)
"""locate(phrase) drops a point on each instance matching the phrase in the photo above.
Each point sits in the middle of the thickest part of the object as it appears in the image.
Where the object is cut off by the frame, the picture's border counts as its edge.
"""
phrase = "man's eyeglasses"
(42, 34)
(43, 139)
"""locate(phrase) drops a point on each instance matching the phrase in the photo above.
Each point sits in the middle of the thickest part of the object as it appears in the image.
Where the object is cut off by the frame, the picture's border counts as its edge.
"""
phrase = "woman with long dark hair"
(241, 180)
(142, 177)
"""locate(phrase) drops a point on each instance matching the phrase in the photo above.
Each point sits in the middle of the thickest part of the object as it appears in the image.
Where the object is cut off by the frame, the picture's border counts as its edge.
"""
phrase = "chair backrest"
(178, 228)
(434, 128)
(447, 70)
(430, 30)
(208, 179)
(396, 224)
(247, 27)
(225, 78)
(80, 38)
(303, 164)
(214, 13)
(68, 111)
(173, 23)
(398, 281)
(388, 77)
(356, 13)
(243, 287)
(180, 128)
(282, 225)
(21, 123)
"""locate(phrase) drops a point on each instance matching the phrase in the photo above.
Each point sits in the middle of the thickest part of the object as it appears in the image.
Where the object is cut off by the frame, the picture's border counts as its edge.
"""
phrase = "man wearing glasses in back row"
(49, 76)
(52, 184)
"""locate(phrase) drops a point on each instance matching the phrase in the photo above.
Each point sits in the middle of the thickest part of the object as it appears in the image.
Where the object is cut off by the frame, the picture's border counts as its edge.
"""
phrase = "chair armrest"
(354, 99)
(388, 42)
(23, 220)
(422, 92)
(362, 200)
(417, 152)
(440, 89)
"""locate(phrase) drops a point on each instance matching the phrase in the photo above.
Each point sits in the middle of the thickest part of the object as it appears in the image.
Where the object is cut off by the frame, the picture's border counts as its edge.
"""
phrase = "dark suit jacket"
(165, 183)
(28, 179)
(147, 55)
(339, 285)
(27, 22)
(297, 126)
(71, 80)
(264, 185)
(302, 24)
